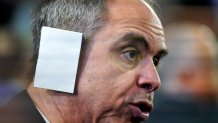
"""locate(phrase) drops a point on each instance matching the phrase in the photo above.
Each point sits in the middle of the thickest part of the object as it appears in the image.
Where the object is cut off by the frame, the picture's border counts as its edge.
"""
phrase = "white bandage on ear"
(58, 59)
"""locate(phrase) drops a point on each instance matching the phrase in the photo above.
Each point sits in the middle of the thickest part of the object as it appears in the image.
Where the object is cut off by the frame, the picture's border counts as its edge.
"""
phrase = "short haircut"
(85, 16)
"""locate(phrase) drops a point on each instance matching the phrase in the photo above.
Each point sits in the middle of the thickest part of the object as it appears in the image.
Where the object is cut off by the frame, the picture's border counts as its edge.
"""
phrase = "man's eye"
(131, 55)
(155, 61)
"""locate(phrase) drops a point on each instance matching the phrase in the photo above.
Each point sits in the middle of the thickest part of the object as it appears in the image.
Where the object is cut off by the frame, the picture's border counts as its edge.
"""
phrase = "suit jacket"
(169, 110)
(20, 110)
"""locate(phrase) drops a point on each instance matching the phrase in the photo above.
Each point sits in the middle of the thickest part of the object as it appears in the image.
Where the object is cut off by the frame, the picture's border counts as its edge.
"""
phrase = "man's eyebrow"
(161, 53)
(134, 37)
(137, 38)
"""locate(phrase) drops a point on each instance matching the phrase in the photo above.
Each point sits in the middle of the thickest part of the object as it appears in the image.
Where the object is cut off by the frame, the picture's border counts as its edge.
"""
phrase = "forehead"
(124, 16)
(131, 9)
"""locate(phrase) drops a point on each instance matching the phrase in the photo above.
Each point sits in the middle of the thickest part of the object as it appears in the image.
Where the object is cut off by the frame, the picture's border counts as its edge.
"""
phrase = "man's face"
(119, 74)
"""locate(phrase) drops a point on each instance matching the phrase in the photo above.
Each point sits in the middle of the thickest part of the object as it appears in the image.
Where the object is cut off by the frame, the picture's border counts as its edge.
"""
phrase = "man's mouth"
(140, 110)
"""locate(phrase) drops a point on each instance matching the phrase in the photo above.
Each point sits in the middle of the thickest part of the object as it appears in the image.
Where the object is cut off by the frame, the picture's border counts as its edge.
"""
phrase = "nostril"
(147, 86)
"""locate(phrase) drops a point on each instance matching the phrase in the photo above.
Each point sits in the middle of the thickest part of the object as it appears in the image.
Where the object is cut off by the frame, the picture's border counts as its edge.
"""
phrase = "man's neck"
(58, 108)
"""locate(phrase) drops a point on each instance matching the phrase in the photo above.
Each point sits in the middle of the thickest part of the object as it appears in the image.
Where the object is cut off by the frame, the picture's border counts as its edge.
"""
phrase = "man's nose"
(148, 77)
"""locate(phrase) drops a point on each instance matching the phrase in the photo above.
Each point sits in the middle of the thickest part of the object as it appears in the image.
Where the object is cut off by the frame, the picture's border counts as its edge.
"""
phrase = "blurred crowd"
(15, 47)
(189, 91)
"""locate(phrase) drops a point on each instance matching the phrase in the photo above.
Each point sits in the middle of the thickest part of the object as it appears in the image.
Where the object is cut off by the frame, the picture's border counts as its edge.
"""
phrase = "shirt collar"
(43, 116)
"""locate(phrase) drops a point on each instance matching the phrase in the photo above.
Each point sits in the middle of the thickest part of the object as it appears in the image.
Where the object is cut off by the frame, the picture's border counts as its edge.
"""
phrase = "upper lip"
(144, 106)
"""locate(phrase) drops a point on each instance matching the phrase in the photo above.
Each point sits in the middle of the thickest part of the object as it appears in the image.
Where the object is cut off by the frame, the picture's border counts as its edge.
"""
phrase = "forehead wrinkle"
(154, 45)
(154, 28)
(157, 30)
(144, 21)
(149, 34)
(141, 25)
(159, 38)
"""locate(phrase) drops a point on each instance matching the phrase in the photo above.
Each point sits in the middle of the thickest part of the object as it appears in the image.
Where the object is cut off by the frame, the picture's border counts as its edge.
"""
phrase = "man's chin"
(132, 116)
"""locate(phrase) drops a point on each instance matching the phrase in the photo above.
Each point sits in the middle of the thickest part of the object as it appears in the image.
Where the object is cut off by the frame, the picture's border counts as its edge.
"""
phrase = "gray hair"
(85, 16)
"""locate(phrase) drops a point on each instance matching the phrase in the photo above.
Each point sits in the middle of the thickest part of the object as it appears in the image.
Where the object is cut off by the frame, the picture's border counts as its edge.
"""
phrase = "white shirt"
(46, 120)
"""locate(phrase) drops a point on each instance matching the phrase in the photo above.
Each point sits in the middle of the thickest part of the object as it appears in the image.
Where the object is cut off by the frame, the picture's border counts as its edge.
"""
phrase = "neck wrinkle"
(61, 108)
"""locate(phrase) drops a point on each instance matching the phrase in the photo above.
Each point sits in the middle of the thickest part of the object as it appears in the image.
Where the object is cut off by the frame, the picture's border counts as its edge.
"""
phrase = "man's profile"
(123, 41)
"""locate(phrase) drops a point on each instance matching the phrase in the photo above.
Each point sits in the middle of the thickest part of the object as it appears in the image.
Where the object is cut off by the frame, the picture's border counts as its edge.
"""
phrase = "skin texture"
(117, 69)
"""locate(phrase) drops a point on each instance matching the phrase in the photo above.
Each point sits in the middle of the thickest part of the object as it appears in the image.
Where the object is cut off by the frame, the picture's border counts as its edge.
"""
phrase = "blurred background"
(189, 92)
(15, 46)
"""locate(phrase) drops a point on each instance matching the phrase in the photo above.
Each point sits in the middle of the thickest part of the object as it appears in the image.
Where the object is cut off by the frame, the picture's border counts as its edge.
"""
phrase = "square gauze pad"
(58, 59)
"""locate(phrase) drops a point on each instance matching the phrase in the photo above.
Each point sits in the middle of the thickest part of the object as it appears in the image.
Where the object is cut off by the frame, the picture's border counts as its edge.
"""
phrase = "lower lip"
(138, 114)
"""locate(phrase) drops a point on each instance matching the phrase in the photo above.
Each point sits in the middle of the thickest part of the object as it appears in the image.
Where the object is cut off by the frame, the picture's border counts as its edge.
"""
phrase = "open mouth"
(140, 110)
